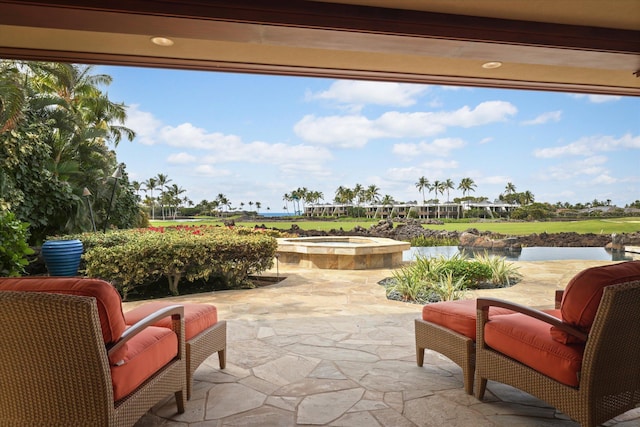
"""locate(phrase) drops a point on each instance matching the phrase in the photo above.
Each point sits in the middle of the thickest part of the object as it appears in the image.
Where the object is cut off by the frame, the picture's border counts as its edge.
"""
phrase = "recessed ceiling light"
(492, 64)
(162, 41)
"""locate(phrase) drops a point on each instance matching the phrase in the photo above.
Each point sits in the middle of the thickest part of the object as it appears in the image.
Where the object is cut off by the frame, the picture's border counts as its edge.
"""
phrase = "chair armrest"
(175, 311)
(559, 295)
(485, 303)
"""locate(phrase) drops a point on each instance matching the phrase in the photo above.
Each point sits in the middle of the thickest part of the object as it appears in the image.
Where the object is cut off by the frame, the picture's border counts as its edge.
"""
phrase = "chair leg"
(222, 358)
(419, 356)
(468, 381)
(480, 386)
(181, 400)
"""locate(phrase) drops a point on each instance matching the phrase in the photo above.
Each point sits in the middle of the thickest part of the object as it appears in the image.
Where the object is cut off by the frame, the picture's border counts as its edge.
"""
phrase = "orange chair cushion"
(583, 294)
(197, 317)
(107, 298)
(146, 353)
(459, 316)
(528, 341)
(109, 302)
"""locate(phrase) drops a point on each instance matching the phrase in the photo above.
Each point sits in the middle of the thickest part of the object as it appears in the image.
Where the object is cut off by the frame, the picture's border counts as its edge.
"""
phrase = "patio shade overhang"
(587, 46)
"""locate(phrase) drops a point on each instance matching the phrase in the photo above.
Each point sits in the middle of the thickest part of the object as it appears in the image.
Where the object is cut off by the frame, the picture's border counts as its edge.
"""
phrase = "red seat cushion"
(459, 316)
(197, 317)
(146, 353)
(582, 296)
(107, 298)
(528, 341)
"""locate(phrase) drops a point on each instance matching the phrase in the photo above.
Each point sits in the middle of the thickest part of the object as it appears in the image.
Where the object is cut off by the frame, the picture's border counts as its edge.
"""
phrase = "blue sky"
(255, 138)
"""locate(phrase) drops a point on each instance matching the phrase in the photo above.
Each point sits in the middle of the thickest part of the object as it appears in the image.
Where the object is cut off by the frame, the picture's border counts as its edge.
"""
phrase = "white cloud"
(598, 99)
(364, 92)
(550, 116)
(591, 166)
(143, 123)
(211, 172)
(223, 148)
(441, 147)
(605, 179)
(588, 146)
(486, 140)
(358, 130)
(181, 158)
(188, 136)
(440, 167)
(342, 131)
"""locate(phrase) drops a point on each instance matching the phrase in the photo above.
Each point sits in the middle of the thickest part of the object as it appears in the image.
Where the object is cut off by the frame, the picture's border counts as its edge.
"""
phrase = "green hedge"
(13, 245)
(135, 257)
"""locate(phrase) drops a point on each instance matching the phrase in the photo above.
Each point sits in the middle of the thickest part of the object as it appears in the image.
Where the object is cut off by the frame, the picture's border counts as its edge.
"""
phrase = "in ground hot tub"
(341, 253)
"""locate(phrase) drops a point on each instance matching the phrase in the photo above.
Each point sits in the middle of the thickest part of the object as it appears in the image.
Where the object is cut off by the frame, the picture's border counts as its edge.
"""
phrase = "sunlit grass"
(596, 226)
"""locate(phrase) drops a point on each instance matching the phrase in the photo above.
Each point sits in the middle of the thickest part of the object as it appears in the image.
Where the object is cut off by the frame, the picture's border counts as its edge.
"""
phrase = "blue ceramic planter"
(62, 257)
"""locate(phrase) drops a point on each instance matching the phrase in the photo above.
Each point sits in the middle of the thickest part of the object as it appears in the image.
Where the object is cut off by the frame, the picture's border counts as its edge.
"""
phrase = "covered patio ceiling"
(565, 45)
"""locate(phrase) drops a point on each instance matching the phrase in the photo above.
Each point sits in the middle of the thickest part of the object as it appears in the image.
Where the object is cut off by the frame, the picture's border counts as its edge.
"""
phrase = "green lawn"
(597, 226)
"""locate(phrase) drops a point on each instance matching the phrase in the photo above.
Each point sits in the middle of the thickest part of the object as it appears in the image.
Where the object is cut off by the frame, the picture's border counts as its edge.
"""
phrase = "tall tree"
(466, 185)
(72, 120)
(421, 185)
(372, 193)
(510, 188)
(163, 180)
(151, 184)
(447, 186)
(13, 95)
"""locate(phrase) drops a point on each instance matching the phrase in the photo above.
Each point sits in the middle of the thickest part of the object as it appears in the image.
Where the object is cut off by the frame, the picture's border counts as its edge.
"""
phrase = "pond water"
(527, 254)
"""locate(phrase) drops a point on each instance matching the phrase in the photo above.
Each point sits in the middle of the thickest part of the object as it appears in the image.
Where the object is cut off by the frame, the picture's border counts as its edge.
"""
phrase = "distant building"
(415, 210)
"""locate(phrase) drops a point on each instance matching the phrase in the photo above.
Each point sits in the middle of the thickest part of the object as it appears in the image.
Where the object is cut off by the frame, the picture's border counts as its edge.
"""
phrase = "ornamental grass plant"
(431, 279)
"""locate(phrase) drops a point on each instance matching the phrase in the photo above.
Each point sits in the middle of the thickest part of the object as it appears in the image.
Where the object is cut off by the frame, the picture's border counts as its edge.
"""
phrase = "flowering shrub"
(135, 257)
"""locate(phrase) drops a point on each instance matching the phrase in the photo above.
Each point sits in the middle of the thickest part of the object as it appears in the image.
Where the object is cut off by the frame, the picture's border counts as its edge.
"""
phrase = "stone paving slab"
(326, 348)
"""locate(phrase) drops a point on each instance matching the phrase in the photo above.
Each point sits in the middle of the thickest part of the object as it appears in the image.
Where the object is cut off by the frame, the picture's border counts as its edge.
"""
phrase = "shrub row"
(135, 257)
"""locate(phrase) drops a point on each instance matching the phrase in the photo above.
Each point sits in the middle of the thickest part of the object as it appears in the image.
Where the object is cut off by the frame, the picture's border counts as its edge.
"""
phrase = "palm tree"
(173, 198)
(258, 206)
(372, 193)
(163, 180)
(421, 185)
(300, 194)
(340, 194)
(387, 200)
(466, 185)
(436, 187)
(527, 198)
(150, 185)
(287, 198)
(223, 201)
(510, 188)
(447, 186)
(137, 186)
(358, 192)
(13, 96)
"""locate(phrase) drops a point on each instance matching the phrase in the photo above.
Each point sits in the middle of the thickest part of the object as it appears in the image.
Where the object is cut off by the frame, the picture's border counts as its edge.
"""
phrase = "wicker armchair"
(56, 369)
(607, 380)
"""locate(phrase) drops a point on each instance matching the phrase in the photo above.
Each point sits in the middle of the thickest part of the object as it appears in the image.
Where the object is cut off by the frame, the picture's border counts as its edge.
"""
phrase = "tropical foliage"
(56, 127)
(14, 248)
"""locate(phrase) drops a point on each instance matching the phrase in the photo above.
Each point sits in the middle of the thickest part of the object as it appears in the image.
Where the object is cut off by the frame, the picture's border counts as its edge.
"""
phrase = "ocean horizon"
(275, 214)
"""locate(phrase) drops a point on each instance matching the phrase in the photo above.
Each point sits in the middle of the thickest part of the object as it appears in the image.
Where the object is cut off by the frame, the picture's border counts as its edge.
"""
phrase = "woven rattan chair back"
(53, 362)
(611, 365)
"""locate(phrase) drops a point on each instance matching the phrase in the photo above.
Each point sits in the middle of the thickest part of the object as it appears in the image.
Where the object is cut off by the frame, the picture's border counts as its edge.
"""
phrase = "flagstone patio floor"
(326, 348)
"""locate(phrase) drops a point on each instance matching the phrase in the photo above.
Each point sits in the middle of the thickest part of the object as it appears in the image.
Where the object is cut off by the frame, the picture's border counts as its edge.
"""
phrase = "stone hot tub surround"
(341, 253)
